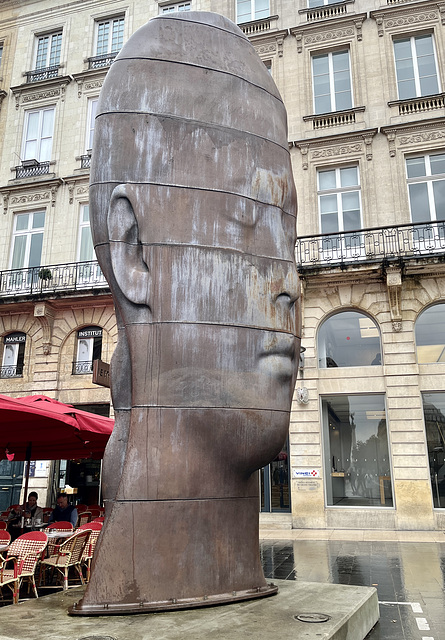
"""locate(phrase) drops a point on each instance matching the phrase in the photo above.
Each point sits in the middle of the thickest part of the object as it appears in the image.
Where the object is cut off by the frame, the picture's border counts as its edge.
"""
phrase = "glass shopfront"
(434, 414)
(357, 462)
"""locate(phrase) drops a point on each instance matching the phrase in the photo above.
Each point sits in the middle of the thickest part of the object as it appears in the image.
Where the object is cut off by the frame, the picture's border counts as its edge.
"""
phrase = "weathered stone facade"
(388, 272)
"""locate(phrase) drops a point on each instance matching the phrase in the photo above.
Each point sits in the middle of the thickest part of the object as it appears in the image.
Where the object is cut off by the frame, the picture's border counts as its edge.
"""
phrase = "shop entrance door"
(274, 478)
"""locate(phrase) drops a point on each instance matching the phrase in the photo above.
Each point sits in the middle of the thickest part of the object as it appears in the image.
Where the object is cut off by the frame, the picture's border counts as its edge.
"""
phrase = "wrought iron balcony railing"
(85, 161)
(42, 74)
(382, 244)
(29, 169)
(51, 279)
(81, 367)
(11, 371)
(104, 60)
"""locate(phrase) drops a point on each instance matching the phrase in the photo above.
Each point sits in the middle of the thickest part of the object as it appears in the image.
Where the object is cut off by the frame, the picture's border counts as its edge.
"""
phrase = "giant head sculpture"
(193, 211)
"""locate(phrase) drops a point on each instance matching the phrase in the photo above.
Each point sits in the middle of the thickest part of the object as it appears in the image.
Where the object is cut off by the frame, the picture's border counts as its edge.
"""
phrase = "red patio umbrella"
(41, 428)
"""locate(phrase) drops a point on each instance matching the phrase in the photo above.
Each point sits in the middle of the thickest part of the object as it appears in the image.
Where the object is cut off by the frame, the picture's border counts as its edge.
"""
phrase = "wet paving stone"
(409, 578)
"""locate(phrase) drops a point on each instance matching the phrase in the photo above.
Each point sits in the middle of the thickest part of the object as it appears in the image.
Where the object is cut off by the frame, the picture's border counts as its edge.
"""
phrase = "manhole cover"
(312, 617)
(97, 638)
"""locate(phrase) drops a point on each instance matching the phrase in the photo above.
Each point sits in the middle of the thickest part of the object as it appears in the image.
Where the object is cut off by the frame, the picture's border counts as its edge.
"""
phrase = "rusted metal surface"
(193, 215)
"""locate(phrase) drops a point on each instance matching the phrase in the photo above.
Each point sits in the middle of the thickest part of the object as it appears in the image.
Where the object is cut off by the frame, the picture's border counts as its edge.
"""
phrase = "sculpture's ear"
(130, 270)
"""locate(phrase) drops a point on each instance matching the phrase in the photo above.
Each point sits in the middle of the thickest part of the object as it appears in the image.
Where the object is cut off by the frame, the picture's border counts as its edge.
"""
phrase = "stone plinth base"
(352, 611)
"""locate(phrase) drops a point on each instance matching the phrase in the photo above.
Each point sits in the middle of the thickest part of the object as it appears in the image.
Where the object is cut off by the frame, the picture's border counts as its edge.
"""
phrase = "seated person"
(32, 511)
(64, 511)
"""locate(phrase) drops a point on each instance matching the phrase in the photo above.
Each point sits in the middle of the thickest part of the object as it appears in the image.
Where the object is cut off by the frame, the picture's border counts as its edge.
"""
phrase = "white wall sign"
(305, 473)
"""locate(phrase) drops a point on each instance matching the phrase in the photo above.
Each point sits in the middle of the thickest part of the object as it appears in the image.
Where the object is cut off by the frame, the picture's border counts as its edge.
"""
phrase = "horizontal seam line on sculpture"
(195, 188)
(206, 408)
(180, 18)
(187, 499)
(204, 68)
(215, 324)
(197, 246)
(207, 125)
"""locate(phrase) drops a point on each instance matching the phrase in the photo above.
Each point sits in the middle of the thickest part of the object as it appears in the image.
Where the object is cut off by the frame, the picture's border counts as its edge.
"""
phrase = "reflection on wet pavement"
(409, 578)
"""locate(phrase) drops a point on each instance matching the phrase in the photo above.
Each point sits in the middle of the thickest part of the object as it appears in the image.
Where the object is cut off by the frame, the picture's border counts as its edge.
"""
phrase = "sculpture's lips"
(283, 346)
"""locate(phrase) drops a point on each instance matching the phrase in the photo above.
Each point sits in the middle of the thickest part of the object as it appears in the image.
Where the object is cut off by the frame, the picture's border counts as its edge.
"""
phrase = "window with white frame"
(331, 78)
(85, 252)
(339, 199)
(178, 6)
(48, 49)
(109, 35)
(319, 3)
(247, 10)
(90, 271)
(89, 348)
(38, 134)
(13, 355)
(416, 66)
(426, 187)
(91, 118)
(27, 240)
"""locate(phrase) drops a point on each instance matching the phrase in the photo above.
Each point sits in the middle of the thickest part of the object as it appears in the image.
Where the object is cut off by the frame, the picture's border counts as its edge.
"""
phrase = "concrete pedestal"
(352, 611)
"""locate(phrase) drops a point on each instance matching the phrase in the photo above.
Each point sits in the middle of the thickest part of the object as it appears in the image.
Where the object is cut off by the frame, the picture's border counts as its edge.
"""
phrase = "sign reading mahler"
(193, 210)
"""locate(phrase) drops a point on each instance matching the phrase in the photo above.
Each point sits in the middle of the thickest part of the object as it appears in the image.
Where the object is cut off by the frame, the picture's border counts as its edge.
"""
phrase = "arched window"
(430, 335)
(348, 339)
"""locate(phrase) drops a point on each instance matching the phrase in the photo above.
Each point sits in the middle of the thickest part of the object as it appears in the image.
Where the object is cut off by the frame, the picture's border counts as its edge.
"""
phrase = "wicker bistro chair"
(3, 525)
(95, 528)
(83, 518)
(54, 527)
(68, 554)
(5, 539)
(24, 553)
(47, 511)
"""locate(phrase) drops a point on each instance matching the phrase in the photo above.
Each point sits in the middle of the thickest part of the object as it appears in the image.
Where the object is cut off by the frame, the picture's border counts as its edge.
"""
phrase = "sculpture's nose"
(290, 290)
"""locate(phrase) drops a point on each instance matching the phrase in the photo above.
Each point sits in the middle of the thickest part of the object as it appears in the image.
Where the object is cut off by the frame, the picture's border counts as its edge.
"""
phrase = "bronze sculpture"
(193, 211)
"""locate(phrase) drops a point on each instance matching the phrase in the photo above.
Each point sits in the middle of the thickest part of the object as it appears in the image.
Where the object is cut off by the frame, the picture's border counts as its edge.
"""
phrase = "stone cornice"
(30, 192)
(343, 29)
(414, 133)
(90, 80)
(394, 17)
(336, 146)
(53, 88)
(269, 43)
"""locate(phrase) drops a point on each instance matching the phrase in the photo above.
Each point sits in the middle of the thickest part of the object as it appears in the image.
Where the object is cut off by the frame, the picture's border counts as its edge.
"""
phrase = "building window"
(13, 355)
(339, 199)
(331, 81)
(89, 348)
(48, 49)
(434, 415)
(38, 135)
(247, 10)
(91, 118)
(27, 240)
(319, 3)
(426, 187)
(171, 8)
(416, 67)
(357, 463)
(349, 339)
(89, 272)
(430, 335)
(109, 35)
